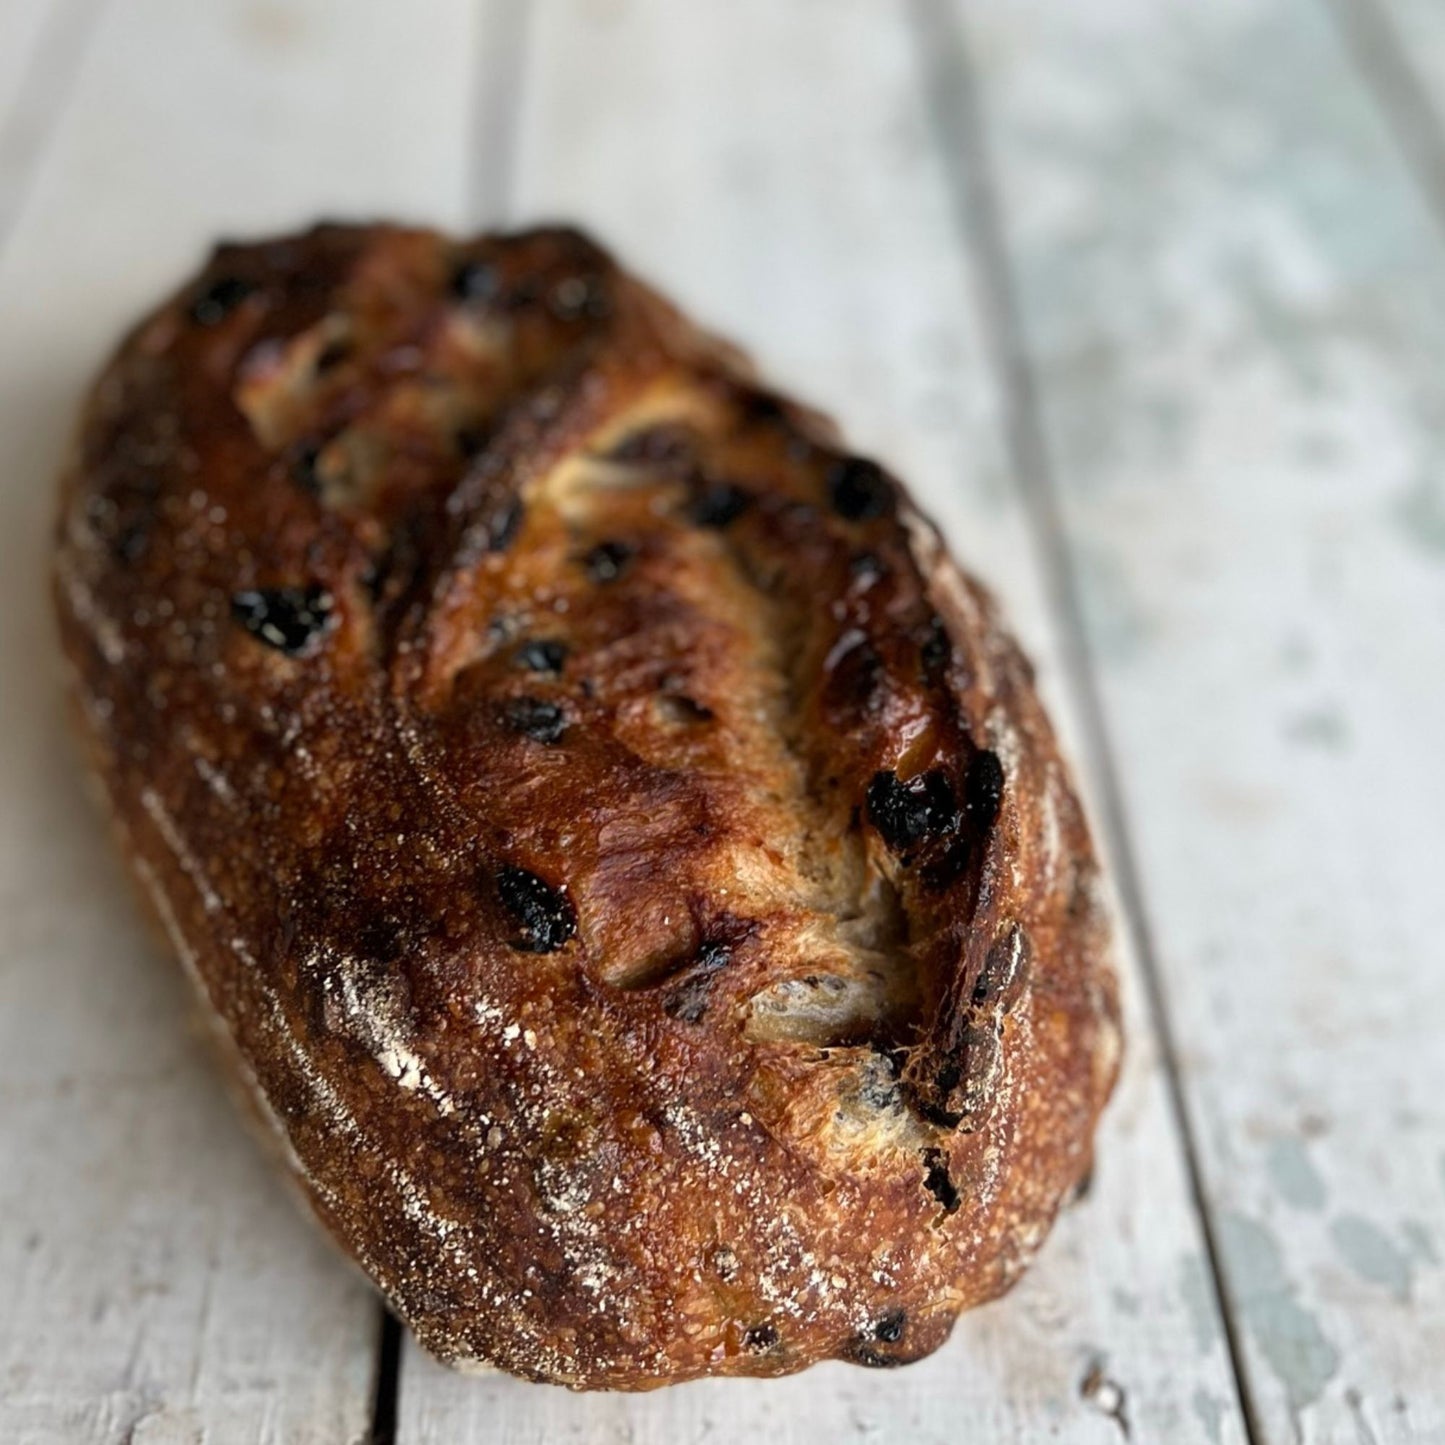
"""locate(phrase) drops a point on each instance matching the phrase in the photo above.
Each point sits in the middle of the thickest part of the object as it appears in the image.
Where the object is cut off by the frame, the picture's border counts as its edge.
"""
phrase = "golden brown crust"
(627, 854)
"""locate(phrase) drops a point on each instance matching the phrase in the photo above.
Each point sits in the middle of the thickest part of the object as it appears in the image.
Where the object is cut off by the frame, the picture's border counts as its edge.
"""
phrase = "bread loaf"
(625, 856)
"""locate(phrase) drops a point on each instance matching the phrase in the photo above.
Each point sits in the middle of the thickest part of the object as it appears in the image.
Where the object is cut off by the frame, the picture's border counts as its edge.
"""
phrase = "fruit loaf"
(626, 856)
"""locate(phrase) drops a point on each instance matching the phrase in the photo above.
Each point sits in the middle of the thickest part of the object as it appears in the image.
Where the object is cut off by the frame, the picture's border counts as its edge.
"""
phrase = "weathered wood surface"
(22, 23)
(40, 41)
(158, 1284)
(1218, 519)
(805, 212)
(1398, 47)
(1233, 293)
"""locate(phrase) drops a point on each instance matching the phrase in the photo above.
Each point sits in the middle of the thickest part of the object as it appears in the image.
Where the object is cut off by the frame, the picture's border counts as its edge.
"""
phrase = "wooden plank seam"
(1399, 90)
(947, 70)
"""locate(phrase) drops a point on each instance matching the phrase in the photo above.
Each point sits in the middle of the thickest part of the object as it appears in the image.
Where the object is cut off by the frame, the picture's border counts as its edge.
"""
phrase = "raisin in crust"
(625, 856)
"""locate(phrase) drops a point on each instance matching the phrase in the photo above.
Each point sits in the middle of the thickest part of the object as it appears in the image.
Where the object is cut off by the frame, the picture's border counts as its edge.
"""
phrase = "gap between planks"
(495, 113)
(946, 73)
(1374, 44)
(388, 1380)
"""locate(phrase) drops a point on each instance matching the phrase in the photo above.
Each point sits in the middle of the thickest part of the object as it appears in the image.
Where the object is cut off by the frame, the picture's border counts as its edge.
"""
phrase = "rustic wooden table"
(1147, 297)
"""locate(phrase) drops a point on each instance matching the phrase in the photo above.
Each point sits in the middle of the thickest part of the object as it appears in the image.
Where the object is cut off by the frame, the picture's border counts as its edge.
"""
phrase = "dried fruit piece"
(474, 280)
(219, 299)
(858, 490)
(607, 561)
(983, 788)
(537, 718)
(290, 619)
(545, 655)
(544, 914)
(907, 813)
(936, 651)
(718, 504)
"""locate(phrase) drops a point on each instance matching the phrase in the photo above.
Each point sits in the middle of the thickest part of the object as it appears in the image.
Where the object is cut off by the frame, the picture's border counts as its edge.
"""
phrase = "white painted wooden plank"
(1234, 291)
(770, 165)
(21, 24)
(1419, 27)
(1399, 48)
(157, 1283)
(38, 43)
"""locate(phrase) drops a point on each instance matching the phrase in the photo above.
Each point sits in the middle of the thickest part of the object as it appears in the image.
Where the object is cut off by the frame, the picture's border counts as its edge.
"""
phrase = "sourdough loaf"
(626, 856)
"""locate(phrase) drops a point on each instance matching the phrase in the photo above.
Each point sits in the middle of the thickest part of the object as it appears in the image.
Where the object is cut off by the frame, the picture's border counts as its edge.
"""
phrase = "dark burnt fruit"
(905, 814)
(544, 915)
(219, 299)
(537, 718)
(471, 441)
(607, 561)
(333, 354)
(131, 541)
(303, 466)
(983, 788)
(290, 619)
(858, 489)
(474, 281)
(503, 525)
(945, 870)
(935, 650)
(718, 504)
(544, 655)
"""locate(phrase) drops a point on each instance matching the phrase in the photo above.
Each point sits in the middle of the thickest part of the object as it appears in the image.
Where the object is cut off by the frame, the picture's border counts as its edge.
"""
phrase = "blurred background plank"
(1420, 31)
(1400, 47)
(1232, 293)
(158, 1285)
(22, 23)
(40, 46)
(772, 167)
